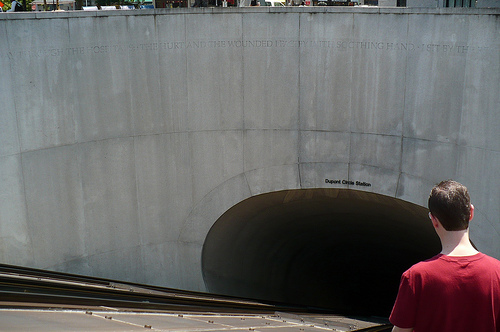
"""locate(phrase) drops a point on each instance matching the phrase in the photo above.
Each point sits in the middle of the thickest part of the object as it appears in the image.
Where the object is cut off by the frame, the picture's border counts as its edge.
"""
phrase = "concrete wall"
(126, 135)
(488, 4)
(424, 3)
(387, 3)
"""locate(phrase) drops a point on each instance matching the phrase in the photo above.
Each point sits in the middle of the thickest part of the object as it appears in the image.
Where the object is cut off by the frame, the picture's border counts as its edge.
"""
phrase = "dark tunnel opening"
(336, 249)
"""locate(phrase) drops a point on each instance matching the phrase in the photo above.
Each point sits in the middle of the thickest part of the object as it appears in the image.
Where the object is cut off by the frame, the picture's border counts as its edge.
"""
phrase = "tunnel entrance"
(338, 249)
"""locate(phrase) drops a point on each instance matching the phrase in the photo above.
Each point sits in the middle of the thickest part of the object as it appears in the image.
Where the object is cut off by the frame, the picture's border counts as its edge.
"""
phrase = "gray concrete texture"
(126, 135)
(100, 321)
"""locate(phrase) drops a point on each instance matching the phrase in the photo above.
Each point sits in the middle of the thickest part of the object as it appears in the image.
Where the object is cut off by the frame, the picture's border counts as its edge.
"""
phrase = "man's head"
(449, 202)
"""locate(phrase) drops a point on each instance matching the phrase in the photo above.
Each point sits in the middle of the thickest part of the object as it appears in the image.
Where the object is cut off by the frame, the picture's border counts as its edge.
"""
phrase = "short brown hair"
(449, 202)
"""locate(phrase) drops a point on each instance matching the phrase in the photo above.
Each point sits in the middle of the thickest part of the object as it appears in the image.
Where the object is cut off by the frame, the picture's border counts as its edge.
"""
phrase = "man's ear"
(471, 212)
(434, 220)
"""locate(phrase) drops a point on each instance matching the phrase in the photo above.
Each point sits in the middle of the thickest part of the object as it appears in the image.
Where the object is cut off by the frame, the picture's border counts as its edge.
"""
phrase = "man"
(457, 290)
(15, 6)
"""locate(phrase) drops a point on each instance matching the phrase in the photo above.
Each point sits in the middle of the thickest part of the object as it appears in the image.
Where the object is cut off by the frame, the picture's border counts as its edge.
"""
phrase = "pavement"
(109, 319)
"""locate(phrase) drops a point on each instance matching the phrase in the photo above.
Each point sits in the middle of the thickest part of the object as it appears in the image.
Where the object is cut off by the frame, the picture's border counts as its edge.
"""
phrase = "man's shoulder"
(430, 261)
(425, 265)
(491, 260)
(441, 260)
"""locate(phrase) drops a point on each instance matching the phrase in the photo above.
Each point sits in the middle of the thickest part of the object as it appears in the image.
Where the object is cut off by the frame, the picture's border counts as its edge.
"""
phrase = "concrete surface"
(488, 4)
(126, 135)
(109, 320)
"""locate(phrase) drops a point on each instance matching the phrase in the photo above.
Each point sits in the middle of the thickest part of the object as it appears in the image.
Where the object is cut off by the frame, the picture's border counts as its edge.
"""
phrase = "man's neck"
(457, 243)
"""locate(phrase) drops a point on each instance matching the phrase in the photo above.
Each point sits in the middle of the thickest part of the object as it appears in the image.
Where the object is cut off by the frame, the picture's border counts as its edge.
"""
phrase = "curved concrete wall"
(126, 135)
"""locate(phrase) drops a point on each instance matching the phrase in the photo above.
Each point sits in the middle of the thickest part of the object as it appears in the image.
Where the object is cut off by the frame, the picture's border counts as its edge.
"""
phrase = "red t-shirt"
(450, 294)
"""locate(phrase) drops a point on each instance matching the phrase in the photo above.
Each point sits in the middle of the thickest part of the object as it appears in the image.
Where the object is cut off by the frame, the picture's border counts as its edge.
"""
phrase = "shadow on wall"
(338, 249)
